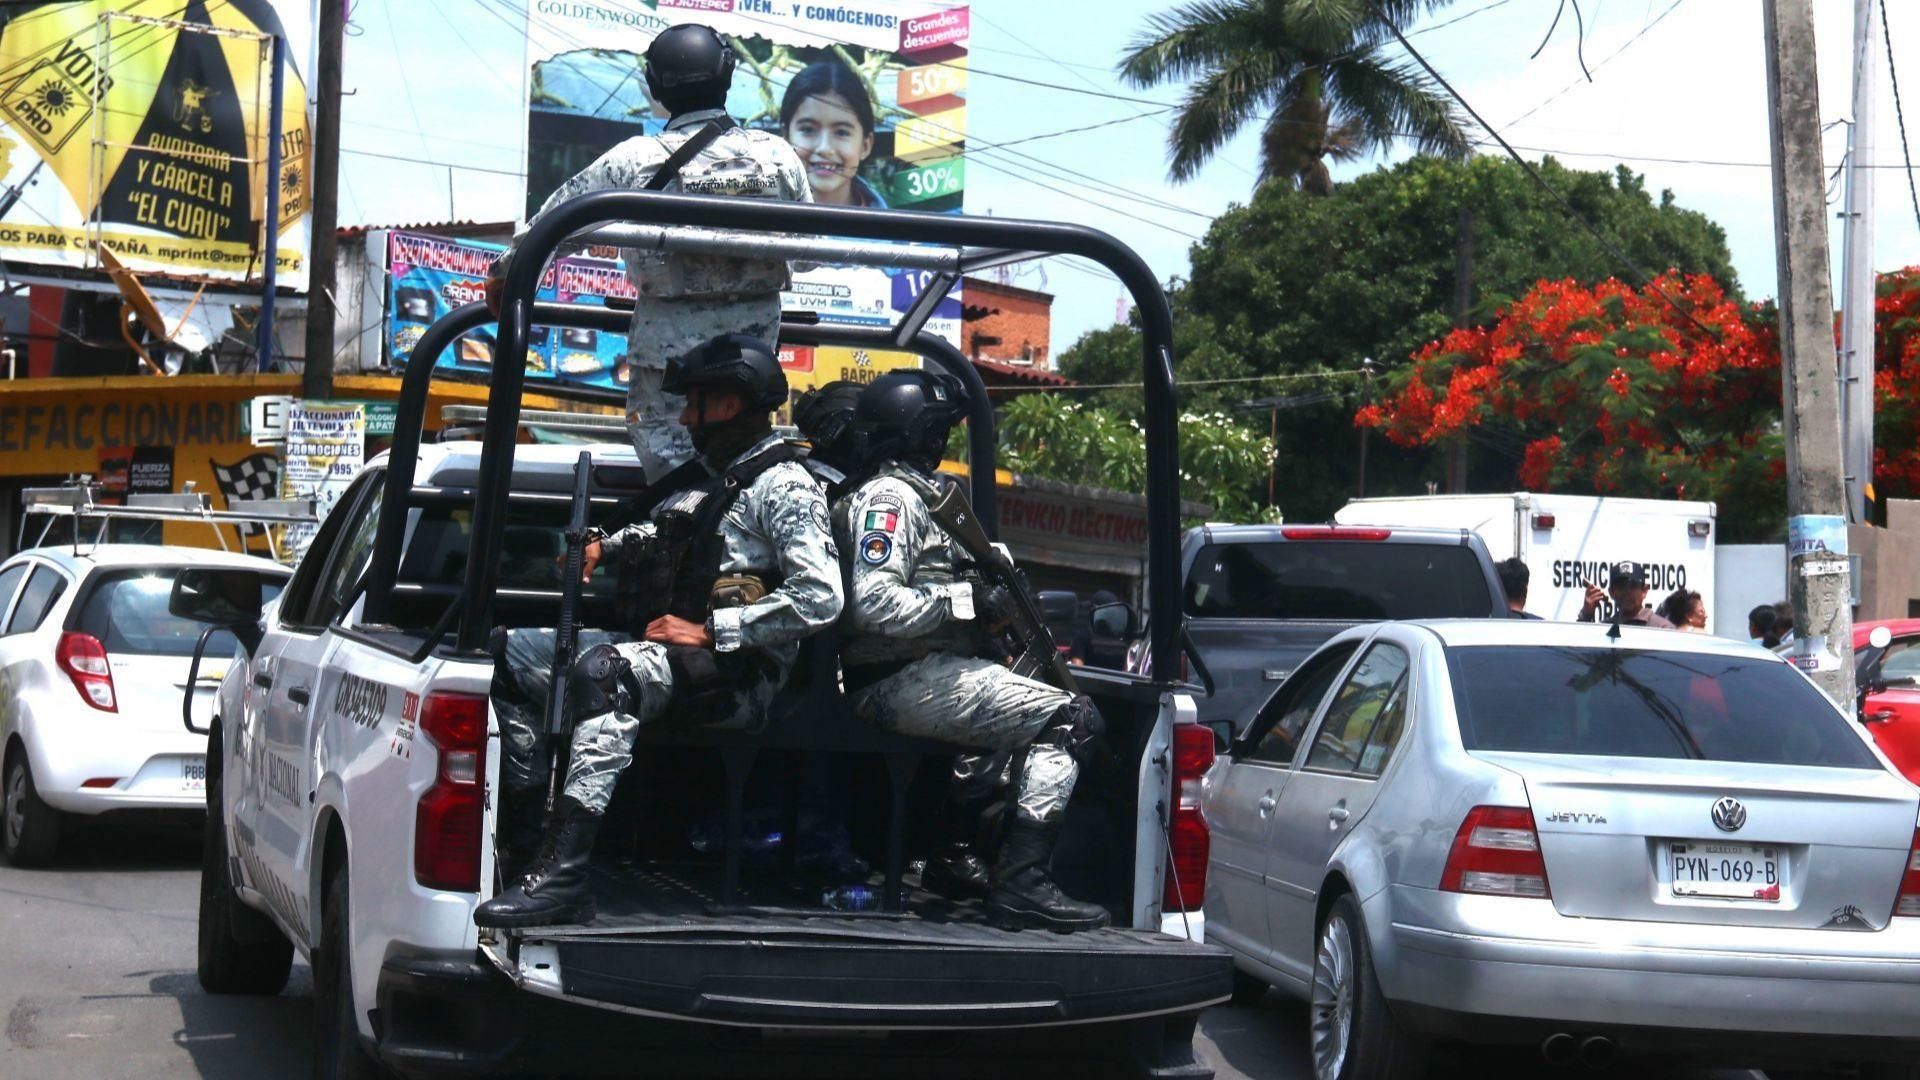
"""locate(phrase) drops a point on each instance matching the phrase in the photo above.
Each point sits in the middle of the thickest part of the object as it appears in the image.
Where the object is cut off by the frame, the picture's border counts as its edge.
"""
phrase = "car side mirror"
(1115, 621)
(1222, 735)
(224, 597)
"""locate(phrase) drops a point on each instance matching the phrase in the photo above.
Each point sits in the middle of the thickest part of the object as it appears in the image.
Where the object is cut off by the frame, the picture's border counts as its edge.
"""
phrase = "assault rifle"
(566, 634)
(1037, 657)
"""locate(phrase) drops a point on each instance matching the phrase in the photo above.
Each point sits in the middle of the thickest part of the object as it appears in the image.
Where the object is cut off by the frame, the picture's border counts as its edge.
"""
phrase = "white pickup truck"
(354, 761)
(351, 808)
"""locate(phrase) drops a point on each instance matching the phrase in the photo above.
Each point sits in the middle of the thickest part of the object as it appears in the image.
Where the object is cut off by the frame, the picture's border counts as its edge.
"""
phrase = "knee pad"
(1078, 728)
(597, 683)
(975, 776)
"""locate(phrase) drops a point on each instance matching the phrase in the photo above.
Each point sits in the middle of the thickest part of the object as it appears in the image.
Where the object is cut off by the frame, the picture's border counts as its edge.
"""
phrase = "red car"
(1888, 674)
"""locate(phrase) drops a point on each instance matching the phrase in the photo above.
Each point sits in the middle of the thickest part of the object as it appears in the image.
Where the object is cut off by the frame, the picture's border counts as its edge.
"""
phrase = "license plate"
(193, 774)
(1726, 871)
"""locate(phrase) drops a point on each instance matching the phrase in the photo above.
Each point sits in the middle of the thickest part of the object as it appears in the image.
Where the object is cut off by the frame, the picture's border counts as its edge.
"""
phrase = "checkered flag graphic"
(255, 477)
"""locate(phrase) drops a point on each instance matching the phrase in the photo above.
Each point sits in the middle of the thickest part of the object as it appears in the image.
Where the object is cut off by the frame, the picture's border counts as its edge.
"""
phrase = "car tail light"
(447, 822)
(1909, 902)
(1187, 837)
(1496, 852)
(1333, 532)
(1543, 521)
(84, 660)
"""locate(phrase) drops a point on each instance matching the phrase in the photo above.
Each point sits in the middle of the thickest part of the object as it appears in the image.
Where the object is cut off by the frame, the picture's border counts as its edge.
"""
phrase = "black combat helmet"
(737, 362)
(825, 416)
(689, 66)
(908, 415)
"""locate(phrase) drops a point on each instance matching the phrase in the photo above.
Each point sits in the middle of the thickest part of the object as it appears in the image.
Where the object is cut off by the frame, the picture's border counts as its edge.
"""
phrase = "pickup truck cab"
(354, 765)
(1259, 599)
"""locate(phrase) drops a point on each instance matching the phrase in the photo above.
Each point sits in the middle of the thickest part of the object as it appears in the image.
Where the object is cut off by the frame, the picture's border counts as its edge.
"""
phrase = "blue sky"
(441, 81)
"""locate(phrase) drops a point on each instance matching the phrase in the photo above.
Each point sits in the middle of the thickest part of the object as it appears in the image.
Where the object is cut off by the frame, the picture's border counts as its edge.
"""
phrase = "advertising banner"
(326, 446)
(149, 133)
(428, 276)
(870, 93)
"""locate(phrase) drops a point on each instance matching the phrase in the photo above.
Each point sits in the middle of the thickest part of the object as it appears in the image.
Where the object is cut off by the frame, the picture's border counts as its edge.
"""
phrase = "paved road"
(96, 982)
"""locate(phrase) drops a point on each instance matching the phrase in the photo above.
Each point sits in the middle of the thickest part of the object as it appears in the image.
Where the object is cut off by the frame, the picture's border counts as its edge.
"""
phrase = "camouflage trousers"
(664, 330)
(979, 705)
(602, 746)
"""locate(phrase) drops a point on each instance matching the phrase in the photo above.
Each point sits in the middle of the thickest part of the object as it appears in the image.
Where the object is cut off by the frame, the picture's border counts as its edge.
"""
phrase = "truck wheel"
(241, 951)
(1353, 1034)
(32, 828)
(337, 1051)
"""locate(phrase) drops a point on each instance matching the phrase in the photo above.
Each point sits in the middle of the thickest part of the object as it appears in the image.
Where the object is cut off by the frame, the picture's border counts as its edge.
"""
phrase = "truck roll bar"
(403, 458)
(980, 242)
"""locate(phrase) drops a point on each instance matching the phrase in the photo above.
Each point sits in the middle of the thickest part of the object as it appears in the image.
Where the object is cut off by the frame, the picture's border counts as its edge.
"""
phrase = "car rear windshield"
(127, 611)
(1613, 702)
(1348, 580)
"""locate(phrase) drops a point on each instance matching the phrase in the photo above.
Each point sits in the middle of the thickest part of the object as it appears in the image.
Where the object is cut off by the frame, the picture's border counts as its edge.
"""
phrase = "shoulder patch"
(881, 516)
(876, 548)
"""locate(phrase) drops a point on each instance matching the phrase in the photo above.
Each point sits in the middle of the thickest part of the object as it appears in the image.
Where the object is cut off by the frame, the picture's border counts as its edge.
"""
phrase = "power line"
(1563, 90)
(1893, 76)
(1292, 376)
(1618, 253)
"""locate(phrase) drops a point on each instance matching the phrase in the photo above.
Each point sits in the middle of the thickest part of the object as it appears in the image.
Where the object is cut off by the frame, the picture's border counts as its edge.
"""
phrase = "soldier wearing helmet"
(733, 568)
(915, 629)
(685, 299)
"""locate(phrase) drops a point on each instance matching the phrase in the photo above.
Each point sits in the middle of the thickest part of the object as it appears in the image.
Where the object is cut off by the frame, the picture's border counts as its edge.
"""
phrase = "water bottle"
(849, 898)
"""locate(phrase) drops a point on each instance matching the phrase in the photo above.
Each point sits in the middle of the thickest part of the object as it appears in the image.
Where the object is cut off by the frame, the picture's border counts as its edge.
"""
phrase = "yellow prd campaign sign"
(144, 125)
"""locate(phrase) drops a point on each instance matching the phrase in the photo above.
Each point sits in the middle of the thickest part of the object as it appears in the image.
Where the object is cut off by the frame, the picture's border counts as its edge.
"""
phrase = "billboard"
(150, 135)
(870, 93)
(428, 276)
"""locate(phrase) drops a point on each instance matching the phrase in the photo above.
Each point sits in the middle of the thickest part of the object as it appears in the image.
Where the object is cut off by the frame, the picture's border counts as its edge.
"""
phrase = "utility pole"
(1817, 581)
(316, 382)
(1856, 260)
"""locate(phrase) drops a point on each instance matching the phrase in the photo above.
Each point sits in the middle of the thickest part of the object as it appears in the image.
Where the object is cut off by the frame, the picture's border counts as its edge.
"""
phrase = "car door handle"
(1880, 717)
(263, 679)
(299, 696)
(1337, 815)
(1267, 804)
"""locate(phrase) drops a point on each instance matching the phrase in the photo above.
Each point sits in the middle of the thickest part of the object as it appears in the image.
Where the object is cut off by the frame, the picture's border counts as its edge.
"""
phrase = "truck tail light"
(1187, 836)
(84, 660)
(448, 821)
(1909, 902)
(1496, 852)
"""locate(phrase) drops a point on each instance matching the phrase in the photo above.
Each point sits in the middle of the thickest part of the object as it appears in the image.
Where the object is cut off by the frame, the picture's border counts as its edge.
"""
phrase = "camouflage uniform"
(685, 299)
(776, 529)
(908, 609)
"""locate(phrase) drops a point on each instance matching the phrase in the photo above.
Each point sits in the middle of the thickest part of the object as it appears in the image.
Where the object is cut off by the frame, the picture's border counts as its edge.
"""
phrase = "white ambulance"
(1568, 541)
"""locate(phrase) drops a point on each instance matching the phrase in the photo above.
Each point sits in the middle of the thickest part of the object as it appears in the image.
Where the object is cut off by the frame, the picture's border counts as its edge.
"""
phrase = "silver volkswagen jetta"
(1559, 835)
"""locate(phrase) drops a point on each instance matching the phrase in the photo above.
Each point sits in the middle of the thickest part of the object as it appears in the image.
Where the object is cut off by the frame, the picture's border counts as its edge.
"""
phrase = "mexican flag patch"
(881, 520)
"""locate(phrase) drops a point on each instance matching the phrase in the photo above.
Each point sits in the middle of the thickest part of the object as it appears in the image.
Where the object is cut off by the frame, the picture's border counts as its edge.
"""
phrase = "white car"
(92, 669)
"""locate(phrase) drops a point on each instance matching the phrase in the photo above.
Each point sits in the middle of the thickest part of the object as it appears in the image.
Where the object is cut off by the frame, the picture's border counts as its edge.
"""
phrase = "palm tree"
(1311, 68)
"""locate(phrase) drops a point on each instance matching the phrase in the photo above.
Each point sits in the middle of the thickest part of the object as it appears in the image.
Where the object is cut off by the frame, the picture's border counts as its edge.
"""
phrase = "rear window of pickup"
(1353, 581)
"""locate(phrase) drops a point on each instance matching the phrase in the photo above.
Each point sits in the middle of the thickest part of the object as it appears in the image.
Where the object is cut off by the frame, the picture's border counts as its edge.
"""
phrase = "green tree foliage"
(1310, 68)
(1301, 289)
(1051, 436)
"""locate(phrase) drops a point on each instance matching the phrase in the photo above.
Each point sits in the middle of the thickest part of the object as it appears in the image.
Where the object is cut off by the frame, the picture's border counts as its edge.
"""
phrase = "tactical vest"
(676, 574)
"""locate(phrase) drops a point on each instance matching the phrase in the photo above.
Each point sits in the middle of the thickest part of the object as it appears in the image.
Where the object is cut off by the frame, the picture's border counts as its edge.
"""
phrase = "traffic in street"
(97, 983)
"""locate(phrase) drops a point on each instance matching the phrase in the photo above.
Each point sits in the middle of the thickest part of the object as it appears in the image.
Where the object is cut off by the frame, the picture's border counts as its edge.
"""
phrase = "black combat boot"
(1024, 895)
(553, 890)
(956, 873)
(958, 869)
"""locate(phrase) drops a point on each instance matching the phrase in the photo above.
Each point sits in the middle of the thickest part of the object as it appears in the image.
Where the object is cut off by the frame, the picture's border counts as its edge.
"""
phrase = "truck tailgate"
(867, 972)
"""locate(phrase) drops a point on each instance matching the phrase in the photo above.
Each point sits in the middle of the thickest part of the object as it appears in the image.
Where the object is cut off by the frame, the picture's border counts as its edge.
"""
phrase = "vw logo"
(1729, 814)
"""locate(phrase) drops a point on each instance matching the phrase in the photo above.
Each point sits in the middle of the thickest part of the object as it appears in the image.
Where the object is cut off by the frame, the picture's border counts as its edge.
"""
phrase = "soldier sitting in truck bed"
(733, 571)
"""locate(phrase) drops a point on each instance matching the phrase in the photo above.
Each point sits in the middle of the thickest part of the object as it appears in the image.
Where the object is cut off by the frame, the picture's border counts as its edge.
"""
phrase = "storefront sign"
(326, 446)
